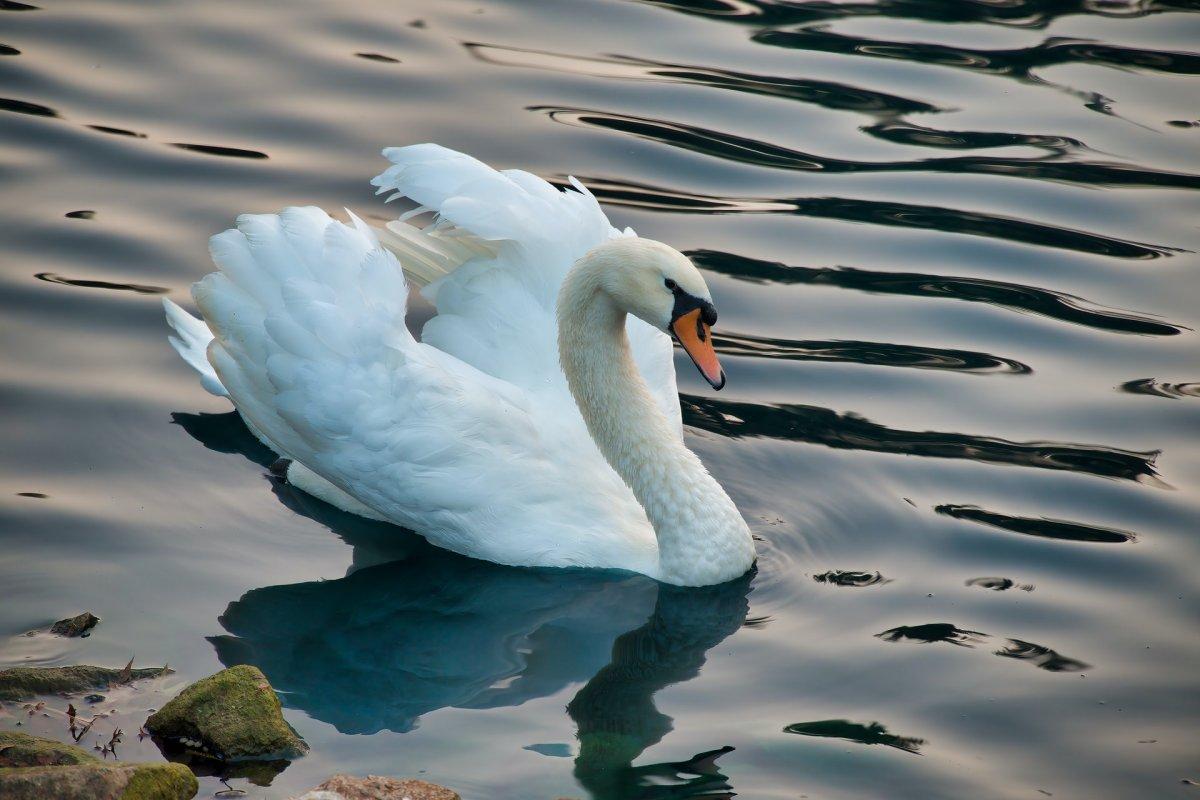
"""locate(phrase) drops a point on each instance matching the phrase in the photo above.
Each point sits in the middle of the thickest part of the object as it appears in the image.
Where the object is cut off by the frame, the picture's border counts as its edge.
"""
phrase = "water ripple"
(380, 57)
(997, 584)
(904, 132)
(743, 150)
(1037, 526)
(875, 212)
(827, 94)
(816, 425)
(1043, 302)
(117, 131)
(1015, 13)
(1157, 388)
(215, 150)
(50, 277)
(1040, 656)
(25, 107)
(1017, 62)
(883, 354)
(854, 578)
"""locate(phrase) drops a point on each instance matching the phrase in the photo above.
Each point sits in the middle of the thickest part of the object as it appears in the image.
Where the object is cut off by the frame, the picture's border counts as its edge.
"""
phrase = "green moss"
(161, 782)
(22, 683)
(234, 714)
(99, 782)
(23, 750)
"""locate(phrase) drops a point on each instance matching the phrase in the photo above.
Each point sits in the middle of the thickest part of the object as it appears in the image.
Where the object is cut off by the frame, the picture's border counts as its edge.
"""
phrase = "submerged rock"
(75, 626)
(231, 716)
(22, 683)
(32, 768)
(374, 787)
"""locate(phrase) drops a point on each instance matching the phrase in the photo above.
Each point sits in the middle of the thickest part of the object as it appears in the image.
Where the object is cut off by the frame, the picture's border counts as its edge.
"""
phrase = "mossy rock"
(33, 767)
(160, 782)
(233, 715)
(75, 626)
(22, 683)
(23, 750)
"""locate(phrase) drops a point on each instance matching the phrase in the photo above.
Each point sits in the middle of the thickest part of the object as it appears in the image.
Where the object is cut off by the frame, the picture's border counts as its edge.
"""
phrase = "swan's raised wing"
(310, 343)
(495, 257)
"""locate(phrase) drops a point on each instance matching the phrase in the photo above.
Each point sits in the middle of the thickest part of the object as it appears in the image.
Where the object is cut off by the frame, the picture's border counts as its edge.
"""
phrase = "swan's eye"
(670, 284)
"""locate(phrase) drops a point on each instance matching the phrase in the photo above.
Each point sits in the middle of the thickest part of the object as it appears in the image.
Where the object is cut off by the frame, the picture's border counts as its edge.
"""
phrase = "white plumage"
(471, 436)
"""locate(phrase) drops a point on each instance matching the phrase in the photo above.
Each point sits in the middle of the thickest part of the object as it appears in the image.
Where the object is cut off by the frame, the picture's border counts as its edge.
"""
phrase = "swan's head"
(660, 285)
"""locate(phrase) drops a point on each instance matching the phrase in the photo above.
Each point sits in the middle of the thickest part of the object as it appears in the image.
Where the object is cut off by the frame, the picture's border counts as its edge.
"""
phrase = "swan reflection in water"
(397, 639)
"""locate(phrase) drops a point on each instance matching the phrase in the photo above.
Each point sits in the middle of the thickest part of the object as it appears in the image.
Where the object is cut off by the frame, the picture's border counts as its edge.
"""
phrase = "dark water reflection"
(954, 249)
(852, 431)
(902, 215)
(871, 733)
(1017, 63)
(1032, 299)
(764, 154)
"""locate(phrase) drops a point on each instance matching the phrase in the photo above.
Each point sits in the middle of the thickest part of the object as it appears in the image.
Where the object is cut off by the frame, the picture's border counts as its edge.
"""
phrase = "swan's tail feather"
(191, 340)
(428, 255)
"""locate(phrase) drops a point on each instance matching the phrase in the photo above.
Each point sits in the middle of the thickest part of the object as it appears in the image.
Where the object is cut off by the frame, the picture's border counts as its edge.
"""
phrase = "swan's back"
(468, 437)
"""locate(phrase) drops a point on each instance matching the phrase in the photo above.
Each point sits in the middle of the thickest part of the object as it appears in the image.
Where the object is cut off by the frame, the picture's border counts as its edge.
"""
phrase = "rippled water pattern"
(953, 245)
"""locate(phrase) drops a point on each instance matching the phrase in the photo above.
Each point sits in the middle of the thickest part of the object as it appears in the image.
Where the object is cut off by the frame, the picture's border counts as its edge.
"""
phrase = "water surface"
(953, 246)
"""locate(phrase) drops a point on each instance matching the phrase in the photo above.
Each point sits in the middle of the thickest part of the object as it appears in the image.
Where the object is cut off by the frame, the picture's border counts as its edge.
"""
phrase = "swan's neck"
(702, 538)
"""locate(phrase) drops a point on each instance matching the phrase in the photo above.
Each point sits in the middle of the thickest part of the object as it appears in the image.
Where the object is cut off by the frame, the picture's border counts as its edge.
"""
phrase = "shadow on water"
(876, 212)
(1016, 13)
(800, 423)
(1031, 299)
(883, 354)
(871, 733)
(393, 641)
(1038, 526)
(744, 150)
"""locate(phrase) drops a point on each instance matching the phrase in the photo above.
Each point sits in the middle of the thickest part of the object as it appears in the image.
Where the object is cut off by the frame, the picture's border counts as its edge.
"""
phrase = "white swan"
(537, 423)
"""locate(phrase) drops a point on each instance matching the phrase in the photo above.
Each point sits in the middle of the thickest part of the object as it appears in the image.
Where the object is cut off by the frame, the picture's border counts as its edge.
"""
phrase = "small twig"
(126, 674)
(86, 728)
(111, 747)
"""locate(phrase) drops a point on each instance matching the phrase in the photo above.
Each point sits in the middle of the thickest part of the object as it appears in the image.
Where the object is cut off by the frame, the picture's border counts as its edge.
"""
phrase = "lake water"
(952, 244)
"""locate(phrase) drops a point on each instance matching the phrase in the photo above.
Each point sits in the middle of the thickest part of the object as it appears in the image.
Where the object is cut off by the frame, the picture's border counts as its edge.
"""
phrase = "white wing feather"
(497, 311)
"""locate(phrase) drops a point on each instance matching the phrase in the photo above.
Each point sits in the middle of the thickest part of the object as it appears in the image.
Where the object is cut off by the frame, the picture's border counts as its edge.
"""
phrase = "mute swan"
(536, 423)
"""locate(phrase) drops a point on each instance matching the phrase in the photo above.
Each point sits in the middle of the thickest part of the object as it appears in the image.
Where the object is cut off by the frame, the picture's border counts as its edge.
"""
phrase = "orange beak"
(696, 337)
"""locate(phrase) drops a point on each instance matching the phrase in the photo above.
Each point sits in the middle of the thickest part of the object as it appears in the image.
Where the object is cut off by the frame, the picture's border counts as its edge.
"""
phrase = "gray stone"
(374, 787)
